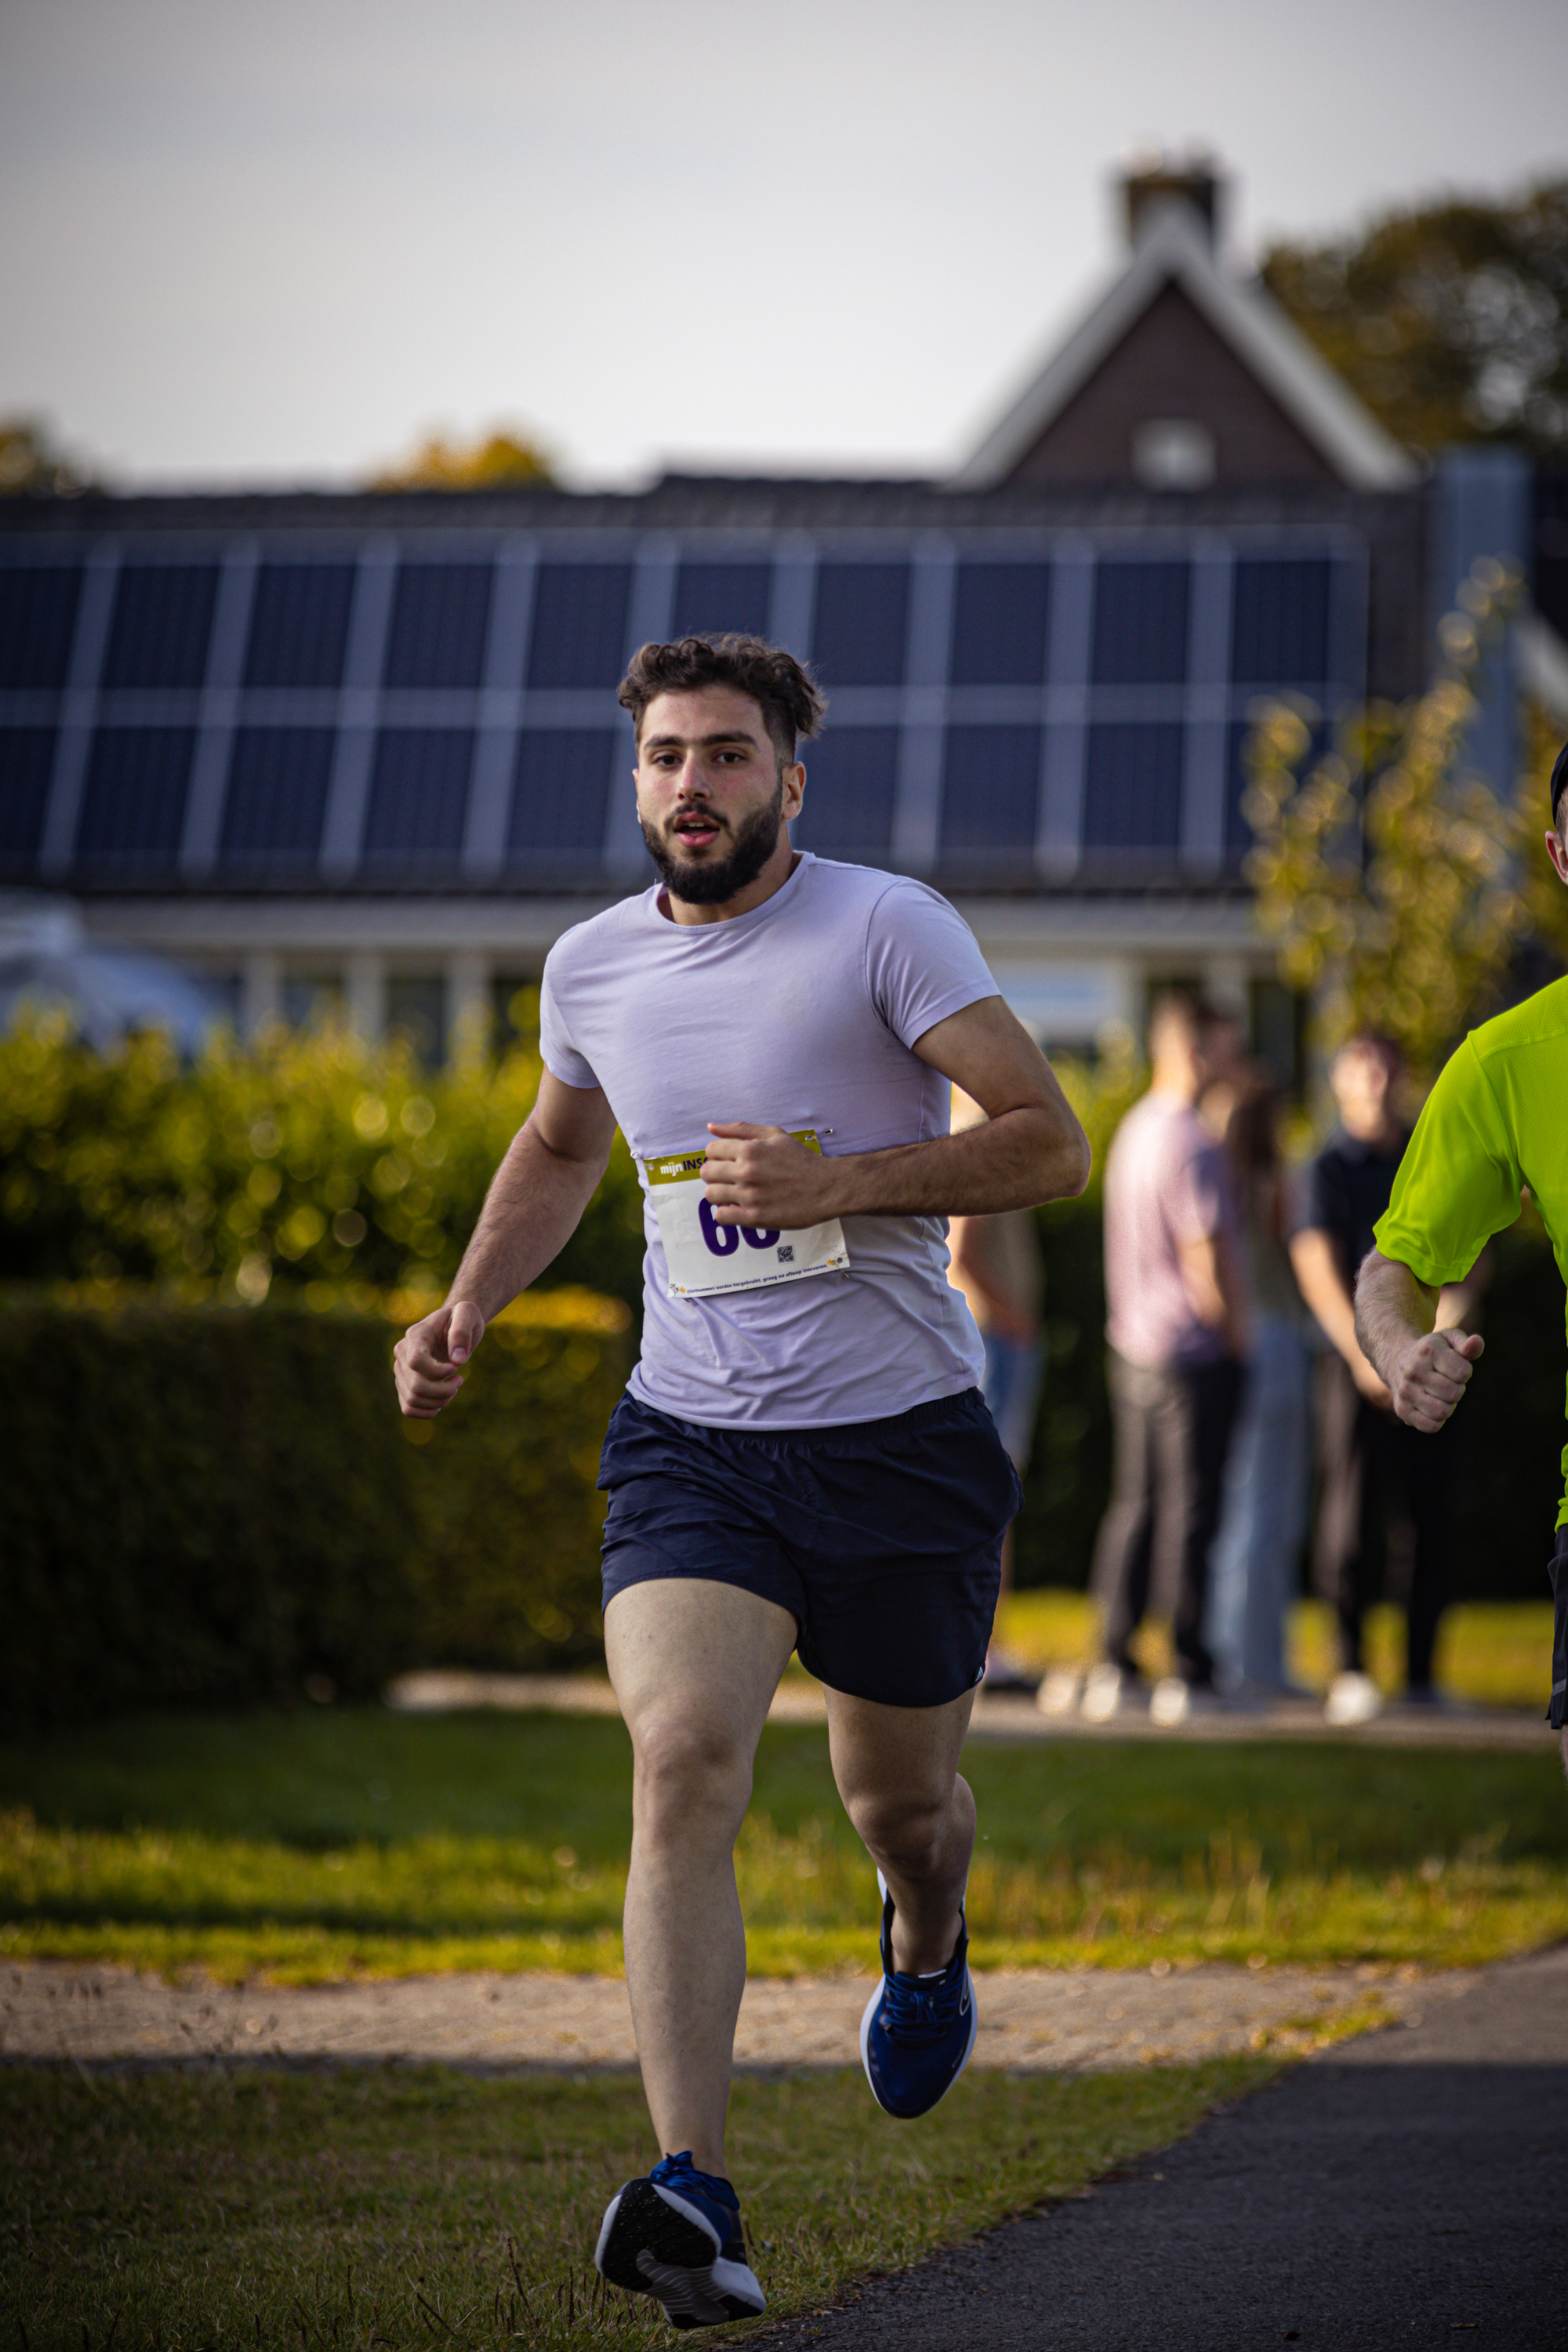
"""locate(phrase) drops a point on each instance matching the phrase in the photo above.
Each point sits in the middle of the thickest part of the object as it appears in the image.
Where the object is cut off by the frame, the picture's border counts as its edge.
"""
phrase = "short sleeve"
(922, 960)
(561, 1057)
(1459, 1181)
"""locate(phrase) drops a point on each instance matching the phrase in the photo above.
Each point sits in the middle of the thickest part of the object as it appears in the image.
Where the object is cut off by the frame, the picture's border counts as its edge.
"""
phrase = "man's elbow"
(1063, 1168)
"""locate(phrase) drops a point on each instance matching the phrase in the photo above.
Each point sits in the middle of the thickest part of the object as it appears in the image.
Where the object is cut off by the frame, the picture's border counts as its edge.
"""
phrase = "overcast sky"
(277, 243)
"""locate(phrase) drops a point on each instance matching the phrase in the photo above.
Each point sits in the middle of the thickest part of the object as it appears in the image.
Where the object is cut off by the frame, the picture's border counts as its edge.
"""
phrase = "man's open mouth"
(696, 831)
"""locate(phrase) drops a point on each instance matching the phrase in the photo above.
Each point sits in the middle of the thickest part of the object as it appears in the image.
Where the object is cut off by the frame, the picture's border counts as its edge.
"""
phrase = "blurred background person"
(997, 1264)
(1256, 1554)
(1178, 1324)
(1368, 1462)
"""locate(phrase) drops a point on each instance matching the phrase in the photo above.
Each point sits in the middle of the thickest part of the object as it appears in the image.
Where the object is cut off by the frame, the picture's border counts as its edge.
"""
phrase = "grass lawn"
(1495, 1652)
(350, 1842)
(380, 2209)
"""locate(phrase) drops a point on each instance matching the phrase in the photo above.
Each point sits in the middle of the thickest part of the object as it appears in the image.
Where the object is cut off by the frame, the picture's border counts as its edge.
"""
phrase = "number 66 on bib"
(702, 1257)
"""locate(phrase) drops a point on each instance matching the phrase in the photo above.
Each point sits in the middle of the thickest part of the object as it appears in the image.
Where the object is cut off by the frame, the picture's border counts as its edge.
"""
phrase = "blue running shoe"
(677, 2235)
(918, 2032)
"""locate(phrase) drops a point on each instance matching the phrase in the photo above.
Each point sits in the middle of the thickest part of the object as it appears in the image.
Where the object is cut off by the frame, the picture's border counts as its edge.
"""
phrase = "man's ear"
(1558, 853)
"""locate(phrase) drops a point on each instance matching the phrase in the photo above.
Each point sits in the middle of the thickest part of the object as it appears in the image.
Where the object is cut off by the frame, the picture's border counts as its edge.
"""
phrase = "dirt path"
(1033, 2019)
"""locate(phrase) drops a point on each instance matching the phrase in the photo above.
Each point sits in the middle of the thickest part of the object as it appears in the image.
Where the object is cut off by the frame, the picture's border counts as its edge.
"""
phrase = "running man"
(1496, 1121)
(802, 1460)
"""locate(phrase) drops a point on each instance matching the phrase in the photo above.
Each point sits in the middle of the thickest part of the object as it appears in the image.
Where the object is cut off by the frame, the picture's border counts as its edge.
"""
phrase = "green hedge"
(215, 1503)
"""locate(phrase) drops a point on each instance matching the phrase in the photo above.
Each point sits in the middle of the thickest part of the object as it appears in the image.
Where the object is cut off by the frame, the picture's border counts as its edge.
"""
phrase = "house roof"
(1173, 247)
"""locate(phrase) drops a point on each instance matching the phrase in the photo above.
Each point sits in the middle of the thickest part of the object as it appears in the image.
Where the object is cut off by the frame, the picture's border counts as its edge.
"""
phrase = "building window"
(1132, 786)
(299, 625)
(276, 798)
(162, 620)
(1280, 635)
(579, 633)
(440, 612)
(560, 792)
(1173, 453)
(712, 598)
(37, 618)
(991, 791)
(1000, 614)
(860, 632)
(1140, 624)
(851, 782)
(418, 796)
(133, 809)
(26, 757)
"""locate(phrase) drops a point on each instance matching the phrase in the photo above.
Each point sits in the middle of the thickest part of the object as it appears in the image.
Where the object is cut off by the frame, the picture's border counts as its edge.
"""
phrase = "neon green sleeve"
(1459, 1181)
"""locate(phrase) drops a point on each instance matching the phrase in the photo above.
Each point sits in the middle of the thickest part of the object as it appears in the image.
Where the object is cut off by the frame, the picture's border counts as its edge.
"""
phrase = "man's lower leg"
(686, 1969)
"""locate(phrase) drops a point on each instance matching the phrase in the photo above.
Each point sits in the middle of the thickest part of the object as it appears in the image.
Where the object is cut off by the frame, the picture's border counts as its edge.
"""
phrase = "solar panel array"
(1006, 708)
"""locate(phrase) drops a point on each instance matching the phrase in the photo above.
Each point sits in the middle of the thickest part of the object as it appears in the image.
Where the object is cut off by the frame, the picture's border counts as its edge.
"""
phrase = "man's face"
(712, 793)
(1362, 1082)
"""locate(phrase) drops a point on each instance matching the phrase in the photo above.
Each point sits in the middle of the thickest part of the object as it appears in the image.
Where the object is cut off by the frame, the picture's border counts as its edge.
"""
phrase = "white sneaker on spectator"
(1352, 1698)
(1104, 1694)
(1058, 1694)
(1170, 1703)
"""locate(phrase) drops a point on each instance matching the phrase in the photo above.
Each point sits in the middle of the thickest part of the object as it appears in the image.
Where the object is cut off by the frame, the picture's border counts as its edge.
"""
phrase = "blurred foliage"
(304, 1163)
(1386, 870)
(1451, 319)
(205, 1503)
(497, 461)
(33, 465)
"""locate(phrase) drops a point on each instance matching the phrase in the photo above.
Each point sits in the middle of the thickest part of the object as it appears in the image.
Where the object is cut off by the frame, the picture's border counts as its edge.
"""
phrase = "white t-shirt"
(801, 1014)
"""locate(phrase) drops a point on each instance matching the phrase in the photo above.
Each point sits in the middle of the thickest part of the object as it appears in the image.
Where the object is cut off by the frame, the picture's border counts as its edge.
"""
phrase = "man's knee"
(692, 1780)
(901, 1827)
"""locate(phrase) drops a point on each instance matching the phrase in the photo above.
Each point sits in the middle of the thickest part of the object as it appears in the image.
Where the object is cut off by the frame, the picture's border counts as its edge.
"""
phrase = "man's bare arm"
(1315, 1258)
(537, 1194)
(1213, 1282)
(1427, 1369)
(1029, 1149)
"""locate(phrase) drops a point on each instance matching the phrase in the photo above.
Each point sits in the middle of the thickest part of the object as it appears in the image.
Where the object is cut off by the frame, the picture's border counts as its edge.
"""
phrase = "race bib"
(702, 1257)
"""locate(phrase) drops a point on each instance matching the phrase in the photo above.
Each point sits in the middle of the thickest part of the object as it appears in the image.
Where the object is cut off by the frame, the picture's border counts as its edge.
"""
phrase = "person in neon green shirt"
(1496, 1121)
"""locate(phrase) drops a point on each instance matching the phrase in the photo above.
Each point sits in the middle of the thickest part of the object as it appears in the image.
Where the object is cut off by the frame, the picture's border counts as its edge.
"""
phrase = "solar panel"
(27, 757)
(440, 612)
(1133, 786)
(1140, 624)
(1000, 614)
(37, 617)
(559, 795)
(418, 795)
(990, 791)
(162, 620)
(714, 598)
(860, 632)
(579, 636)
(133, 807)
(1280, 635)
(299, 625)
(851, 785)
(277, 797)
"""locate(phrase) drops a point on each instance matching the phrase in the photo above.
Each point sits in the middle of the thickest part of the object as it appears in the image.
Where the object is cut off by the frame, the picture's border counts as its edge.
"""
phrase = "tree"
(1394, 880)
(1449, 319)
(33, 465)
(501, 461)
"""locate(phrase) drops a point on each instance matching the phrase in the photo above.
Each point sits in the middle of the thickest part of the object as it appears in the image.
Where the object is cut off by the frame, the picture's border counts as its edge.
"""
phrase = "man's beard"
(717, 879)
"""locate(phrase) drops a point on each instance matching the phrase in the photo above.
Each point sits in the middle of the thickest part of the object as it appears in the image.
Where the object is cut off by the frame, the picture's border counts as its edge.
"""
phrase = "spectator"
(995, 1262)
(1257, 1550)
(1367, 1459)
(1177, 1325)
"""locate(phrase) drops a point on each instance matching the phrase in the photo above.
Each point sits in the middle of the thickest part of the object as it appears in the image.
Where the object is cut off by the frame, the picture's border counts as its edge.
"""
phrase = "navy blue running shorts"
(883, 1539)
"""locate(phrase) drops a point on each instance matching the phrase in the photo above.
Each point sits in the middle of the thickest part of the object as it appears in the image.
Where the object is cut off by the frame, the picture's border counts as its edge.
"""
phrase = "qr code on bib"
(786, 1254)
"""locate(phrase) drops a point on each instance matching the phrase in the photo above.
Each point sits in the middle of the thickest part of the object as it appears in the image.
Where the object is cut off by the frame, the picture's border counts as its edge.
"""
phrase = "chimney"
(1151, 181)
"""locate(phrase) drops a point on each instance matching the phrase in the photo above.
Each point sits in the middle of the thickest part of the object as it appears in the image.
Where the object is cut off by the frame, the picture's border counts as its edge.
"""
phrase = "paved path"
(1033, 2019)
(1000, 1714)
(1404, 2190)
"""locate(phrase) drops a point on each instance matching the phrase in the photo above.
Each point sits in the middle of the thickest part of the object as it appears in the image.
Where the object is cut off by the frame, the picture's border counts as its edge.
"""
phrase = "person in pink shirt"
(1177, 1323)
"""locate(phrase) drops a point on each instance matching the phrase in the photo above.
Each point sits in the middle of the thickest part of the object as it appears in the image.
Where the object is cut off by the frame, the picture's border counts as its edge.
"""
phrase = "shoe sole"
(652, 2243)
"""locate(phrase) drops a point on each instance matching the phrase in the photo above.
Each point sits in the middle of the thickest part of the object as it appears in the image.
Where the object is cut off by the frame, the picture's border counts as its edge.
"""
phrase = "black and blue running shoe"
(676, 2234)
(918, 2032)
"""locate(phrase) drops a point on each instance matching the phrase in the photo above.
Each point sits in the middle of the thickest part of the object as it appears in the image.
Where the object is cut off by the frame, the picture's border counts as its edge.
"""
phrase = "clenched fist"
(426, 1359)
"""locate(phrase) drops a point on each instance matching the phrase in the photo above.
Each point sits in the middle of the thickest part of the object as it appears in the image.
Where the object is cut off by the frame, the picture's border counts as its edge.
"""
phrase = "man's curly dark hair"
(791, 701)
